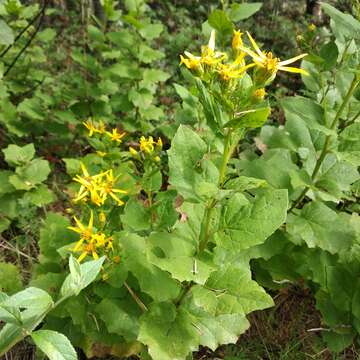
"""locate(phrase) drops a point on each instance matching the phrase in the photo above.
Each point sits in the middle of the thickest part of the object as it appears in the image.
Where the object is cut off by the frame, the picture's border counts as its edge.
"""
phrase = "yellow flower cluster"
(263, 61)
(97, 187)
(99, 128)
(148, 147)
(91, 242)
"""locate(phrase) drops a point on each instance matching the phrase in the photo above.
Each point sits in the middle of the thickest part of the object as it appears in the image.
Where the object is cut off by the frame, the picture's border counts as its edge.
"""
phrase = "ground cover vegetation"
(179, 180)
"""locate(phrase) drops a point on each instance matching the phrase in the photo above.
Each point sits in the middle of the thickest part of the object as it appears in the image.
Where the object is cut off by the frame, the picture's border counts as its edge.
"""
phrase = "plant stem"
(327, 142)
(205, 226)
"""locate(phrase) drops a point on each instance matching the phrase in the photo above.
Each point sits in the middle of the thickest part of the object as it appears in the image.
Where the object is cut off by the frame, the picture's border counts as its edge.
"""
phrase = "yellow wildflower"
(231, 71)
(88, 186)
(90, 126)
(191, 63)
(237, 42)
(101, 153)
(133, 152)
(269, 63)
(85, 233)
(94, 128)
(102, 217)
(115, 135)
(106, 187)
(159, 144)
(147, 145)
(209, 56)
(90, 241)
(312, 27)
(260, 93)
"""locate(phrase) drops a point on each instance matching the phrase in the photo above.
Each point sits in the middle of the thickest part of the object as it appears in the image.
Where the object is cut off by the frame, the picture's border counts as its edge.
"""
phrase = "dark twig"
(21, 32)
(29, 40)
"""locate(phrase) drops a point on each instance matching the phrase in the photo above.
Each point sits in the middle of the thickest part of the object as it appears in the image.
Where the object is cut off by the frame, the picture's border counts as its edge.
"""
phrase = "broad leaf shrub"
(176, 274)
(315, 155)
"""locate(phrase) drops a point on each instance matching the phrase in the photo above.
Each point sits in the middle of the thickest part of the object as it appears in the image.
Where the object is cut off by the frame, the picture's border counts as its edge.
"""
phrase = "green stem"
(205, 227)
(327, 142)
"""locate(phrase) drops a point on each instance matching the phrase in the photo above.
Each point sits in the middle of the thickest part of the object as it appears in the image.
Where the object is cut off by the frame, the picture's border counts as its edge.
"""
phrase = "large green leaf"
(346, 24)
(320, 226)
(80, 276)
(6, 34)
(168, 332)
(153, 281)
(187, 163)
(245, 223)
(17, 155)
(55, 345)
(243, 11)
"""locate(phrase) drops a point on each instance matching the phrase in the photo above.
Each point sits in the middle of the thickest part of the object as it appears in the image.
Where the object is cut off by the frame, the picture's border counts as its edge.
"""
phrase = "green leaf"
(147, 55)
(9, 314)
(254, 119)
(243, 11)
(55, 345)
(6, 34)
(347, 25)
(18, 155)
(136, 216)
(220, 22)
(319, 226)
(151, 31)
(33, 173)
(40, 196)
(168, 332)
(10, 334)
(152, 280)
(31, 298)
(120, 316)
(73, 284)
(313, 116)
(10, 279)
(244, 224)
(329, 52)
(186, 163)
(236, 279)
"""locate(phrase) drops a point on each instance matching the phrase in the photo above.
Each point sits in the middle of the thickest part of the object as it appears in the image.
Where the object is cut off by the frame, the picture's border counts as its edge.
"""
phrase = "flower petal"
(290, 61)
(255, 45)
(293, 70)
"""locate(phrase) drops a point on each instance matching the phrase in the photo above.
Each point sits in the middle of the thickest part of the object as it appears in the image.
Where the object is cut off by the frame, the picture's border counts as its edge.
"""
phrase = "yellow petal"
(78, 245)
(82, 256)
(255, 46)
(72, 228)
(120, 202)
(211, 44)
(79, 224)
(290, 61)
(252, 54)
(91, 220)
(84, 169)
(293, 70)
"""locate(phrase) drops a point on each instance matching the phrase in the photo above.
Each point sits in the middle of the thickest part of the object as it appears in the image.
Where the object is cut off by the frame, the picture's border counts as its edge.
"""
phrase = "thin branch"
(135, 297)
(21, 32)
(29, 40)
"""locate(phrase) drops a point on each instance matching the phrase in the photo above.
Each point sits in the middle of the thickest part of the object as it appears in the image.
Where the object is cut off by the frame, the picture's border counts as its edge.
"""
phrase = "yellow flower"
(90, 241)
(147, 145)
(260, 93)
(115, 135)
(191, 63)
(101, 153)
(232, 71)
(102, 217)
(85, 233)
(106, 187)
(159, 144)
(209, 56)
(133, 152)
(269, 63)
(312, 27)
(94, 128)
(88, 186)
(237, 42)
(90, 126)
